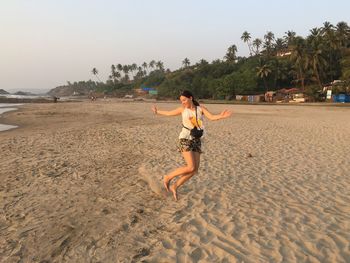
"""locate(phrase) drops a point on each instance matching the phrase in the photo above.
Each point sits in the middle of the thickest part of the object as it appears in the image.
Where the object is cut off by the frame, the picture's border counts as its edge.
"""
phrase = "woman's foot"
(174, 191)
(166, 183)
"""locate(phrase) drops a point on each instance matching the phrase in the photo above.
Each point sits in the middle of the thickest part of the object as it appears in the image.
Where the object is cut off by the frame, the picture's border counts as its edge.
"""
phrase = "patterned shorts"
(193, 145)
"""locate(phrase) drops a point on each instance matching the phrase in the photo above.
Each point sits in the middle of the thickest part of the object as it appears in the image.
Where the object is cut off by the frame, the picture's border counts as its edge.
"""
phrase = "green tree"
(145, 66)
(290, 37)
(160, 65)
(152, 64)
(298, 58)
(257, 44)
(268, 43)
(343, 34)
(94, 71)
(314, 57)
(246, 39)
(263, 72)
(186, 63)
(231, 54)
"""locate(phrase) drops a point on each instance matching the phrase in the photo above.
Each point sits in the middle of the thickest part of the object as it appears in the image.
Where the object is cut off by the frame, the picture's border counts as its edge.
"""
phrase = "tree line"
(273, 63)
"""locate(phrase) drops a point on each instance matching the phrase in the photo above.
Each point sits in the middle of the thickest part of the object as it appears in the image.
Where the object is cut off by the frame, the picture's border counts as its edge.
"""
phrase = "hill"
(3, 91)
(76, 88)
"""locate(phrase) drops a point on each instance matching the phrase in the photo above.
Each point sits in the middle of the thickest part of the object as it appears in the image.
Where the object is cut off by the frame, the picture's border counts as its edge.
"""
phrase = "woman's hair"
(188, 94)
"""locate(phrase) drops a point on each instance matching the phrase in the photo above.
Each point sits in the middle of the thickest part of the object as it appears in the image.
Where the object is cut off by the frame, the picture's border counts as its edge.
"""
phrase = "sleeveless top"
(189, 121)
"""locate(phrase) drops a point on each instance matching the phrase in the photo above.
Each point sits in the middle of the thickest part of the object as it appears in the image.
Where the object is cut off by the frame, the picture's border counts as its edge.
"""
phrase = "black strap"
(185, 127)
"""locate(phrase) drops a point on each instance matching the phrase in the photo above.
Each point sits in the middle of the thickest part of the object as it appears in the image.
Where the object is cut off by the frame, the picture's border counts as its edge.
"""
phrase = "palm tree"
(262, 72)
(145, 66)
(280, 45)
(246, 39)
(327, 28)
(126, 73)
(116, 75)
(140, 73)
(94, 71)
(343, 33)
(120, 67)
(160, 65)
(231, 54)
(132, 68)
(113, 73)
(315, 55)
(186, 62)
(290, 37)
(257, 44)
(332, 46)
(298, 57)
(152, 64)
(268, 37)
(202, 62)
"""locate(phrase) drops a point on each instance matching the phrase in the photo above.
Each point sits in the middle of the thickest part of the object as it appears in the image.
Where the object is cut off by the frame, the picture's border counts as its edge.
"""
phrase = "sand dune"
(82, 182)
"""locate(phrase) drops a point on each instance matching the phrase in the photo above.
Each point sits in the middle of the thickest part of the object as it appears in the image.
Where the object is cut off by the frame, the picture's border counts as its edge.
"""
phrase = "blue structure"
(147, 88)
(342, 98)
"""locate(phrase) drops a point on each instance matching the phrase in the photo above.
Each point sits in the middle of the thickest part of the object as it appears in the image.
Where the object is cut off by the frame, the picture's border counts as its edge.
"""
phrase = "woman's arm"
(175, 112)
(224, 114)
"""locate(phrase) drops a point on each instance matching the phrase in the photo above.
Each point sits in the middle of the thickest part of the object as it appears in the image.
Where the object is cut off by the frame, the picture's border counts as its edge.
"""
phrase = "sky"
(45, 43)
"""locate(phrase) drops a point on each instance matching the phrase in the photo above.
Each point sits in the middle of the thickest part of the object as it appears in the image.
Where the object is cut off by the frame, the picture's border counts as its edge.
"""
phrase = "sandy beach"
(82, 182)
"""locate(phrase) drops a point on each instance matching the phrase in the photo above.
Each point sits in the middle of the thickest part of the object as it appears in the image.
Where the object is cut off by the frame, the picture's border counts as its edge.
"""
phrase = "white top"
(189, 121)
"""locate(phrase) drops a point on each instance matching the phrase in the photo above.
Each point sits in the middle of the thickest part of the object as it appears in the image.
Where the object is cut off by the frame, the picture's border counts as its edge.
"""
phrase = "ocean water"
(24, 96)
(5, 107)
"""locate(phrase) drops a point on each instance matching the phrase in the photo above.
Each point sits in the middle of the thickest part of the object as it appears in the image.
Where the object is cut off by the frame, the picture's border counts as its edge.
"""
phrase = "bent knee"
(191, 169)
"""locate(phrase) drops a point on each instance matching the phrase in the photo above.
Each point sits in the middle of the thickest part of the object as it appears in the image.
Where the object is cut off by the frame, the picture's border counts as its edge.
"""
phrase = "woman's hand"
(225, 114)
(154, 109)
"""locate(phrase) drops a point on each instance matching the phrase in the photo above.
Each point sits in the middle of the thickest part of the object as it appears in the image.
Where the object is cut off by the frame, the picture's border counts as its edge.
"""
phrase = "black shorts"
(186, 145)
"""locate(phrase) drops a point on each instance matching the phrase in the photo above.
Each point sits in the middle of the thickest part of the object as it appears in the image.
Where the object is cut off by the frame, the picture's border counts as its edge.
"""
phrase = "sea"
(5, 107)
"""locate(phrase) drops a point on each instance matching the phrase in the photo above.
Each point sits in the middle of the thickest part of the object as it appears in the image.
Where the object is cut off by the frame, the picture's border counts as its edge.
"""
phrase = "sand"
(82, 182)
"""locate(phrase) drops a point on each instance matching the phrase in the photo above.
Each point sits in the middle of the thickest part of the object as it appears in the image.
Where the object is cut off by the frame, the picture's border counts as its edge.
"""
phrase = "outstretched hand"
(154, 109)
(225, 114)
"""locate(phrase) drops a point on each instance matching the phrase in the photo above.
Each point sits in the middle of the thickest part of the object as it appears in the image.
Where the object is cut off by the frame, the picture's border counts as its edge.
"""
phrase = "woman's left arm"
(213, 117)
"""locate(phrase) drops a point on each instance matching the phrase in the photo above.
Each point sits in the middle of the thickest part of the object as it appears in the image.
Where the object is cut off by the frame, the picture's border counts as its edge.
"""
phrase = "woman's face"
(186, 102)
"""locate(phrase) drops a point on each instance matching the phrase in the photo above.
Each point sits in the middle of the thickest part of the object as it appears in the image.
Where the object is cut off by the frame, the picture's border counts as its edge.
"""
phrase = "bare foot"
(173, 190)
(166, 183)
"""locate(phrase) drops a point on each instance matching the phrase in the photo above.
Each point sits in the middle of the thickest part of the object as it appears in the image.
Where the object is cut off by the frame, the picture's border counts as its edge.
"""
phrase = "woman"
(189, 143)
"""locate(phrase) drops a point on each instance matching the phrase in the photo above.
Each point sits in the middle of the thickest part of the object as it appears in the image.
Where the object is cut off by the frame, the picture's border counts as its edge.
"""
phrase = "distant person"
(189, 138)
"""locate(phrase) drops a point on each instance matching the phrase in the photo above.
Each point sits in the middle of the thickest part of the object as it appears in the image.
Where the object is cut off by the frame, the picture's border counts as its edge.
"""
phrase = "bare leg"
(186, 177)
(190, 168)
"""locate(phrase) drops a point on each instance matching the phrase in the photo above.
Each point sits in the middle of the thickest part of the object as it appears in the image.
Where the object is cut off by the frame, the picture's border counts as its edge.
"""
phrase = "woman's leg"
(186, 177)
(189, 168)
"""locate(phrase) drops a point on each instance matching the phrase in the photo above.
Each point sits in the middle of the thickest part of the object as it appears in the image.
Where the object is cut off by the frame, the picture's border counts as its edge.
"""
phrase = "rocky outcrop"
(65, 91)
(3, 91)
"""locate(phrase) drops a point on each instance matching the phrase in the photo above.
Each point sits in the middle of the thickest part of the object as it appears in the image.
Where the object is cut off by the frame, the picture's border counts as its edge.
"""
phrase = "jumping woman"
(189, 138)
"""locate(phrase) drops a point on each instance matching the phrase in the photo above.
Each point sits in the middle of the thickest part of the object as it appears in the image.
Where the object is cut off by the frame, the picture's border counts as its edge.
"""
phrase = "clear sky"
(45, 43)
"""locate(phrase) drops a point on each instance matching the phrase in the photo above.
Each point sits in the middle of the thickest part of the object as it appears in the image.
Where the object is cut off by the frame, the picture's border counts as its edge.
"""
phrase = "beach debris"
(141, 252)
(140, 211)
(105, 211)
(133, 220)
(249, 155)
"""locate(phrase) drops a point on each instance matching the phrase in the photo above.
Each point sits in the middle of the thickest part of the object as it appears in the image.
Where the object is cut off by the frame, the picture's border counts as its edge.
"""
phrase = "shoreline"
(6, 109)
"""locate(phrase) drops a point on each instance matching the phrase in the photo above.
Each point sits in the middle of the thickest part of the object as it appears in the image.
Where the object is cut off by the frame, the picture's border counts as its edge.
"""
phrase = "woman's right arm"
(175, 112)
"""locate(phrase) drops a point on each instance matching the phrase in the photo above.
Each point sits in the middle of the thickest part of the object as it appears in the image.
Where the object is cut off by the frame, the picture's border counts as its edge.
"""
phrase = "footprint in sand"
(151, 180)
